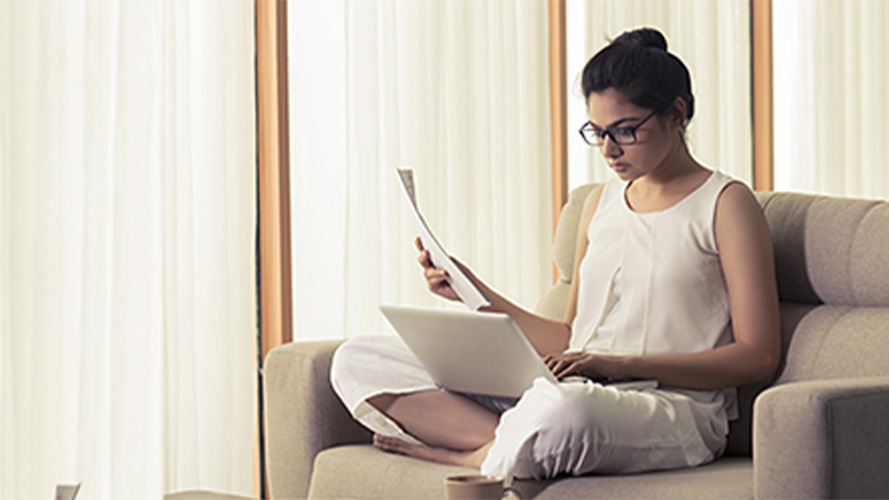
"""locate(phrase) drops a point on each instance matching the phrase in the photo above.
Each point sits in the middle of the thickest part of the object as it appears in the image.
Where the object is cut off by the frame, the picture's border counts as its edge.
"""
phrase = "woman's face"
(655, 139)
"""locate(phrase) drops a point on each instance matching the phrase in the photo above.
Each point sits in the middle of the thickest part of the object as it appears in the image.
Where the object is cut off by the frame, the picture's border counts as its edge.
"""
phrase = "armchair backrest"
(832, 262)
(554, 303)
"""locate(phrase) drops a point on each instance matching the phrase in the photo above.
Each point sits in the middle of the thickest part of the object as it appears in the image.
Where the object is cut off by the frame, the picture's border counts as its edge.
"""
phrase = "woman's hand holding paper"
(436, 278)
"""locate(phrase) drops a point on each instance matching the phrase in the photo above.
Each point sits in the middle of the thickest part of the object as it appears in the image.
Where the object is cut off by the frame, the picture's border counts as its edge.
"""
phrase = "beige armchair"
(820, 430)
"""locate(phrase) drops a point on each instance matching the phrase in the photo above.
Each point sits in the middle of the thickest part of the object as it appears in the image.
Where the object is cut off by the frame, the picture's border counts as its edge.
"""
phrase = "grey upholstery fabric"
(868, 263)
(302, 415)
(818, 431)
(839, 342)
(563, 248)
(794, 421)
(786, 214)
(741, 430)
(552, 304)
(836, 239)
(361, 471)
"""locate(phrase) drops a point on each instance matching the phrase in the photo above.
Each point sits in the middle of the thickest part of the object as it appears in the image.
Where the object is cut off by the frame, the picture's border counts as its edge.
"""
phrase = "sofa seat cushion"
(362, 471)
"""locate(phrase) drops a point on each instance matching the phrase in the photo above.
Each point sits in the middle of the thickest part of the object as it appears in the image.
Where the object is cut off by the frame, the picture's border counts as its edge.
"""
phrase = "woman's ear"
(678, 113)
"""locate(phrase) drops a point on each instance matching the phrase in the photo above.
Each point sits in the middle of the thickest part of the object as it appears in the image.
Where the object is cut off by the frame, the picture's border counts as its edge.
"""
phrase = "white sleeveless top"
(652, 283)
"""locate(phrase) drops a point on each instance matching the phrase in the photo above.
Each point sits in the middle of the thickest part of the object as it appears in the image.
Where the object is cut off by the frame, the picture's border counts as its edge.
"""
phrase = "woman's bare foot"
(470, 458)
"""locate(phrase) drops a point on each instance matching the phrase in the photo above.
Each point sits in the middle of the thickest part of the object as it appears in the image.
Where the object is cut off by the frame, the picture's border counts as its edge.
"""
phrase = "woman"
(673, 281)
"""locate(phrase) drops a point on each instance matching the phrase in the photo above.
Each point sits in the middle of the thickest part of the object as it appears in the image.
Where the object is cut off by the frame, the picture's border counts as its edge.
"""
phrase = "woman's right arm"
(547, 336)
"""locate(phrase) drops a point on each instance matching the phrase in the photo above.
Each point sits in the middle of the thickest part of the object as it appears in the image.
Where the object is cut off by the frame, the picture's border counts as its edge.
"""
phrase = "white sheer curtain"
(831, 71)
(126, 247)
(458, 90)
(712, 38)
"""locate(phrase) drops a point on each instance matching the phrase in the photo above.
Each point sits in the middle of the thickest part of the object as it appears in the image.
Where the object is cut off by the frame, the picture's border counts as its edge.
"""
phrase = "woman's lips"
(620, 167)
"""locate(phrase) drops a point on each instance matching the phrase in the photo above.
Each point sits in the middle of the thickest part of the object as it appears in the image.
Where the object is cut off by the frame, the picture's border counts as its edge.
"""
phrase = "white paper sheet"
(440, 258)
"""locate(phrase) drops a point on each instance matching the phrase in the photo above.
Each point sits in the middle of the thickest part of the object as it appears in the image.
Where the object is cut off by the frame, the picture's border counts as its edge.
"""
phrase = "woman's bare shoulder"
(737, 200)
(739, 220)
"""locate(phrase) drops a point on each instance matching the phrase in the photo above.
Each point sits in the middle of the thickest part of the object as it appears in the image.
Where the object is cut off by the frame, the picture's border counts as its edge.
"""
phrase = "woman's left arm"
(745, 249)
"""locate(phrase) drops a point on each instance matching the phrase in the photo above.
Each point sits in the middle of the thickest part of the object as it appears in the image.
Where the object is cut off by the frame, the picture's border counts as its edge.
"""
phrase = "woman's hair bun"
(642, 37)
(638, 64)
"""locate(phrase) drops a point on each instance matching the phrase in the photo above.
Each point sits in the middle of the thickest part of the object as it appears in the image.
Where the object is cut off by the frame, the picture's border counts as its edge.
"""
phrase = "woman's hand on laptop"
(436, 278)
(594, 366)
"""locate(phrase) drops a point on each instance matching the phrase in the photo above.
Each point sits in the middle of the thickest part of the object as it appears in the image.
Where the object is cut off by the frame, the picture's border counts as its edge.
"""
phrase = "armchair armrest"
(302, 415)
(822, 439)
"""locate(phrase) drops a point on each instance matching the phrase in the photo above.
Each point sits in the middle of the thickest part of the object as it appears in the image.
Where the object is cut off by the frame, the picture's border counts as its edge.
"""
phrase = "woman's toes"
(392, 444)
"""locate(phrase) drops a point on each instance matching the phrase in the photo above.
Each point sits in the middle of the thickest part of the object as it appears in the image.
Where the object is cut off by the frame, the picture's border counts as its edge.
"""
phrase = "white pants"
(566, 428)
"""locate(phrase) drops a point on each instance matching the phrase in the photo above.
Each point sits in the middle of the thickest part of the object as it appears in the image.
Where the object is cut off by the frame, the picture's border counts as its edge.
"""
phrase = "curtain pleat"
(831, 97)
(456, 90)
(126, 247)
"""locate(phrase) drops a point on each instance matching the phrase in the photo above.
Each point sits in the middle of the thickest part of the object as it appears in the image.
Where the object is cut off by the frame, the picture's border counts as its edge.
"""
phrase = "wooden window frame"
(558, 107)
(275, 316)
(762, 108)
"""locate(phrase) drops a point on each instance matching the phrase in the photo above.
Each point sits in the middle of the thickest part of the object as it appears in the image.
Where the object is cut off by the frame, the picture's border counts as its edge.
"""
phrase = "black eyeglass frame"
(609, 132)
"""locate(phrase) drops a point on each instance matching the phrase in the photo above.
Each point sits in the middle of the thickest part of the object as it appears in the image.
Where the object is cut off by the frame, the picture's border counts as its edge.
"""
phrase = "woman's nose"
(610, 149)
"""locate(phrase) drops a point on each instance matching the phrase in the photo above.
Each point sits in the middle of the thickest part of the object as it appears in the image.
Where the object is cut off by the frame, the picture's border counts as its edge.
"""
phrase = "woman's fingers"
(569, 368)
(565, 364)
(562, 370)
(556, 364)
(437, 279)
(424, 259)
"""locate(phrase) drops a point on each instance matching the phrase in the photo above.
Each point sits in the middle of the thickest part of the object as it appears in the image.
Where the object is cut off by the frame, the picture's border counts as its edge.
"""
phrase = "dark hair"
(637, 63)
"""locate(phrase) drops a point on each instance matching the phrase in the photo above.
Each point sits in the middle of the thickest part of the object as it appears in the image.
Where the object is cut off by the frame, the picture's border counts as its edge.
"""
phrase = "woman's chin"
(624, 174)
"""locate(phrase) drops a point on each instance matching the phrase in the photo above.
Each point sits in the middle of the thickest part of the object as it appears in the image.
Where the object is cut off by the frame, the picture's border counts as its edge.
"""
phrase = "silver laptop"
(480, 353)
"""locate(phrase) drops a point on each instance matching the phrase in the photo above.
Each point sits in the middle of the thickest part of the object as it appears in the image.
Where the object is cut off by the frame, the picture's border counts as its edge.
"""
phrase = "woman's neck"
(676, 170)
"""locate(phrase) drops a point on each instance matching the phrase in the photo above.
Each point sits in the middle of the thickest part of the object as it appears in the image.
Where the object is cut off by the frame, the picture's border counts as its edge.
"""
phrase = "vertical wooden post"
(558, 110)
(275, 306)
(761, 68)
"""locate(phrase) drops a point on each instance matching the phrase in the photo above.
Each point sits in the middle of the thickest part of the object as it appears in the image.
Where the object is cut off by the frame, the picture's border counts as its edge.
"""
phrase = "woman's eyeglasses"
(623, 136)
